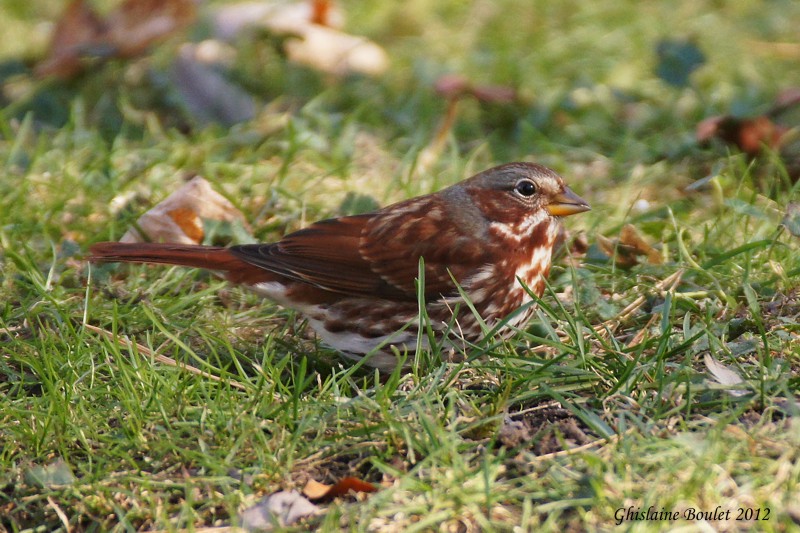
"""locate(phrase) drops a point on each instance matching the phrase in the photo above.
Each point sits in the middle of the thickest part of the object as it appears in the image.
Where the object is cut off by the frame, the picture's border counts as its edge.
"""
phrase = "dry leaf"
(77, 31)
(750, 135)
(499, 94)
(628, 248)
(229, 21)
(455, 86)
(336, 52)
(724, 375)
(319, 46)
(323, 12)
(315, 490)
(452, 86)
(188, 221)
(756, 137)
(775, 130)
(81, 35)
(630, 236)
(137, 24)
(277, 510)
(180, 217)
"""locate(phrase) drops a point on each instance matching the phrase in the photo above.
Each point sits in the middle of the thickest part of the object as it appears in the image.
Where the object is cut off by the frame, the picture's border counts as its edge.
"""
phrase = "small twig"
(667, 284)
(60, 514)
(158, 357)
(639, 337)
(561, 453)
(540, 407)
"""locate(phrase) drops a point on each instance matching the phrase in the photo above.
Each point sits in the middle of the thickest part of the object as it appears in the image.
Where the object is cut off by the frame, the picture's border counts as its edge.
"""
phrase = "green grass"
(614, 407)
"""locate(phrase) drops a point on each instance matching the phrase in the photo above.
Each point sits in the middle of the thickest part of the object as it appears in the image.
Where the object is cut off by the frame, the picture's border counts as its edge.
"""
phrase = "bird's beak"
(567, 203)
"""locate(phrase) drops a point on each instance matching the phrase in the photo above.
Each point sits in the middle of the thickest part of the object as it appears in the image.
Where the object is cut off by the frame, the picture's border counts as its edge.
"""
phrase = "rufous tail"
(208, 257)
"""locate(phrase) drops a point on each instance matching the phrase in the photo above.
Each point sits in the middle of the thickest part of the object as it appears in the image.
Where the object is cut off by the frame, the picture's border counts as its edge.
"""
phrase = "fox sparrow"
(354, 277)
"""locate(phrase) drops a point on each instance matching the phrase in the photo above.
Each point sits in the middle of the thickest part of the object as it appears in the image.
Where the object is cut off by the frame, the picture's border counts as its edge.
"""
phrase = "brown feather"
(372, 255)
(394, 249)
(207, 257)
(325, 255)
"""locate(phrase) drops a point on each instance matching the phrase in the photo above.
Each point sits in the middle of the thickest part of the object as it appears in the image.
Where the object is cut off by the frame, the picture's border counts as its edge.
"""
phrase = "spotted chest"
(499, 289)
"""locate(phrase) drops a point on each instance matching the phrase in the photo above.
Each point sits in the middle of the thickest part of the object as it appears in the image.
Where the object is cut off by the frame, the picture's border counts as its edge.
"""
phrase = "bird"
(471, 253)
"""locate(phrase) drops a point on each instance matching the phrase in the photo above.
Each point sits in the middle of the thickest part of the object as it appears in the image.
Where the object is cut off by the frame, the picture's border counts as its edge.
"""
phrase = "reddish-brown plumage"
(355, 277)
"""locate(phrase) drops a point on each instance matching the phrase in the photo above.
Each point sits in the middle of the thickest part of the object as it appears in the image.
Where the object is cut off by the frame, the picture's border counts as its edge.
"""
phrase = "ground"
(665, 378)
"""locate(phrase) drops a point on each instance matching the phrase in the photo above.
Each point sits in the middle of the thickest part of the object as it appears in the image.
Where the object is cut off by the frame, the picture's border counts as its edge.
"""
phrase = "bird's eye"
(525, 188)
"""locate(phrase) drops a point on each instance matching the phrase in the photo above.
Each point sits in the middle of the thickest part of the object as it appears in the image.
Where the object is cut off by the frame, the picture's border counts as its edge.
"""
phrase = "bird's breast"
(521, 264)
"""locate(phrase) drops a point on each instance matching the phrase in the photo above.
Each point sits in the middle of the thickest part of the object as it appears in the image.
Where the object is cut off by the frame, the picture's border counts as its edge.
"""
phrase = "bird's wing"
(375, 255)
(396, 239)
(325, 254)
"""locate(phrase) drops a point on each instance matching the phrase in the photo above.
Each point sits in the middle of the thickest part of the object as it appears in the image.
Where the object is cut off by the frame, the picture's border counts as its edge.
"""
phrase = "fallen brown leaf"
(188, 221)
(322, 12)
(456, 86)
(775, 131)
(750, 135)
(137, 24)
(78, 29)
(630, 236)
(314, 490)
(179, 218)
(81, 36)
(630, 246)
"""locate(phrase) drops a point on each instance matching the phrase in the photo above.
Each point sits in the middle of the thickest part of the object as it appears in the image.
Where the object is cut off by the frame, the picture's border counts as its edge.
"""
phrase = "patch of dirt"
(782, 312)
(546, 430)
